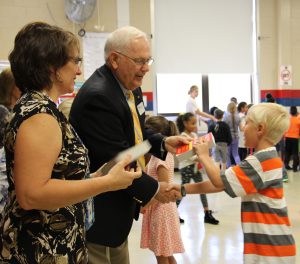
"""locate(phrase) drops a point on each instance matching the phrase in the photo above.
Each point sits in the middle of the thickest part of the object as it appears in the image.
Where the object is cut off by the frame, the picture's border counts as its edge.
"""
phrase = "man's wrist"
(163, 144)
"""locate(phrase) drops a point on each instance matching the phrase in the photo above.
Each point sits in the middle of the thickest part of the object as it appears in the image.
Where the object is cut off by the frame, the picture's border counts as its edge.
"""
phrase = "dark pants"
(291, 149)
(243, 153)
(188, 174)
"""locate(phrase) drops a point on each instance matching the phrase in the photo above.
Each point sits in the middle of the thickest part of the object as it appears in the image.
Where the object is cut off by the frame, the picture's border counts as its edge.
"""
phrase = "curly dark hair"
(183, 118)
(39, 51)
(241, 105)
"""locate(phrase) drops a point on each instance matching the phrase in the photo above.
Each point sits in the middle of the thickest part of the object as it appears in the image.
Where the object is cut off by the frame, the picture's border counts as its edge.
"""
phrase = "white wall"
(224, 86)
(200, 36)
(173, 95)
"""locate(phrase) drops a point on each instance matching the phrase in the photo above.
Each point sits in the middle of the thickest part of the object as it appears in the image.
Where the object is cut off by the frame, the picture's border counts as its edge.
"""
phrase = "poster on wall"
(93, 52)
(285, 75)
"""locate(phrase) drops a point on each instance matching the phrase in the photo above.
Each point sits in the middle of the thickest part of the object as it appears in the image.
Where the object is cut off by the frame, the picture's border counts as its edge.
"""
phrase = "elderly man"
(108, 114)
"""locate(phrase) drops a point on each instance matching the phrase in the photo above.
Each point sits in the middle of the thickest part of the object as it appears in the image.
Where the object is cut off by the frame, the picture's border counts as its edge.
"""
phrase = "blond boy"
(258, 181)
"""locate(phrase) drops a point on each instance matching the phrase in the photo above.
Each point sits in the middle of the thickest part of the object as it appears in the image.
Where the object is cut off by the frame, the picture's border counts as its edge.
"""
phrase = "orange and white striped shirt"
(266, 226)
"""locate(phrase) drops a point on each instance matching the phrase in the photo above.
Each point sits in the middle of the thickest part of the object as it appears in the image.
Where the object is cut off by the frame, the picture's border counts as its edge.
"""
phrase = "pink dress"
(161, 227)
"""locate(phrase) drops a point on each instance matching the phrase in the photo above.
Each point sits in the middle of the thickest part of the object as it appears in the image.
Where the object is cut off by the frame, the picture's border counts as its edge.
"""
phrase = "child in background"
(161, 228)
(222, 135)
(187, 126)
(258, 181)
(9, 94)
(232, 118)
(291, 140)
(242, 110)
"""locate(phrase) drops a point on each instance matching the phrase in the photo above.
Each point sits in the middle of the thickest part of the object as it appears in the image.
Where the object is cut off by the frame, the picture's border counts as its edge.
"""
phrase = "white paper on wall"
(285, 75)
(3, 64)
(93, 52)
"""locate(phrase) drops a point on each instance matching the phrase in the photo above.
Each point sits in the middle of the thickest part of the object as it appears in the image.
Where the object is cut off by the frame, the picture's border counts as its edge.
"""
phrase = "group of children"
(257, 180)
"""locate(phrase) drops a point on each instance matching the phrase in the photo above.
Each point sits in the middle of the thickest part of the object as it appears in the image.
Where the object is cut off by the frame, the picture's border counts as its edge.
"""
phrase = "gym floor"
(210, 244)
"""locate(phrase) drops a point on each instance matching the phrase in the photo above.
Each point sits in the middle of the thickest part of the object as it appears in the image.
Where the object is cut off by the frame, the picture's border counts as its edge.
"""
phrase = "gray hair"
(121, 38)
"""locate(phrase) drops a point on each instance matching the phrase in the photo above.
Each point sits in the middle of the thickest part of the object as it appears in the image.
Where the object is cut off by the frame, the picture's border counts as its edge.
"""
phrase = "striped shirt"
(266, 226)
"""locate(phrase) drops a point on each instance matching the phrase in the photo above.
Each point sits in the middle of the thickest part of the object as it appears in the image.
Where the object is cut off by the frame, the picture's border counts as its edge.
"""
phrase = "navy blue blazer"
(102, 118)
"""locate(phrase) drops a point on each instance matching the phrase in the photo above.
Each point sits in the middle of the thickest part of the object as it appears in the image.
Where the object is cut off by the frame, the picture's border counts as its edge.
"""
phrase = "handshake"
(169, 192)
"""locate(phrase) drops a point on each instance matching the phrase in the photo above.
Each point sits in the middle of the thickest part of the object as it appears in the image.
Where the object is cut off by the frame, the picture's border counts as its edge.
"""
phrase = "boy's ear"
(261, 129)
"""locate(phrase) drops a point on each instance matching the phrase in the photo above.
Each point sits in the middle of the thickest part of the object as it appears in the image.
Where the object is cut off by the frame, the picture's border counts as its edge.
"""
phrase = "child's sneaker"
(209, 219)
(285, 177)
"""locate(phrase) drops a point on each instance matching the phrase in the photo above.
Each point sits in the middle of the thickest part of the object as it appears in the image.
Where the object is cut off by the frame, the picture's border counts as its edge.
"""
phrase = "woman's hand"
(120, 177)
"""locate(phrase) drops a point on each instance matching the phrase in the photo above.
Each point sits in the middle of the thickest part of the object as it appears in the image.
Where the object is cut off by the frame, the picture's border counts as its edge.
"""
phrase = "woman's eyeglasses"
(77, 60)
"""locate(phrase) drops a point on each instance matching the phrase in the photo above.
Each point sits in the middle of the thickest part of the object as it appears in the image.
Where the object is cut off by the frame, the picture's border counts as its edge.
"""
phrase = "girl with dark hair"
(187, 126)
(161, 229)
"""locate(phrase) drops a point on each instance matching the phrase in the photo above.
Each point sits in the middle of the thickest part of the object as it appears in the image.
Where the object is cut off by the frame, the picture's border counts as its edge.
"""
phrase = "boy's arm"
(212, 171)
(214, 185)
(201, 187)
(195, 188)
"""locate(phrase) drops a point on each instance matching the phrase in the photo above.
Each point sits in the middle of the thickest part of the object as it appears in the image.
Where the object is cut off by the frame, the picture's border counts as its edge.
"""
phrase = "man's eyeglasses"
(77, 60)
(139, 62)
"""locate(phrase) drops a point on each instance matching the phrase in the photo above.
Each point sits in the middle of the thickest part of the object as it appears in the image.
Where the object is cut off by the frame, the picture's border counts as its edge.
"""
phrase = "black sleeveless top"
(42, 236)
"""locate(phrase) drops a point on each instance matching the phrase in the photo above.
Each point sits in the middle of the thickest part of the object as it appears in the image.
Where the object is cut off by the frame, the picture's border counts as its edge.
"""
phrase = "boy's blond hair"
(275, 118)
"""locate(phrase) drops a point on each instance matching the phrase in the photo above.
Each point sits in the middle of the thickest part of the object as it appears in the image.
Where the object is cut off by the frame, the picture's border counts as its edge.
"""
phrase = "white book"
(135, 152)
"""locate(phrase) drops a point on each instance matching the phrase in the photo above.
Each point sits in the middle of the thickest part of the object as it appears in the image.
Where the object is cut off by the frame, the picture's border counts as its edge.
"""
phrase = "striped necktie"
(138, 135)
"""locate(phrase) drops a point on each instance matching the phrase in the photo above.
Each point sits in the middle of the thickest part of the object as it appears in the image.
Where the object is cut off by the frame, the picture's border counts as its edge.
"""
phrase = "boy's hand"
(201, 148)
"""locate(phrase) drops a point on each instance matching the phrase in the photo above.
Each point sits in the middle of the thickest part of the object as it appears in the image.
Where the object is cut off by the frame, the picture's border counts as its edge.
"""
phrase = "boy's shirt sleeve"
(243, 179)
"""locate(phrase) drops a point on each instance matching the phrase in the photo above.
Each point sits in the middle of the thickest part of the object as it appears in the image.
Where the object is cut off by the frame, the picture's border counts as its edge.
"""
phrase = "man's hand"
(166, 194)
(174, 142)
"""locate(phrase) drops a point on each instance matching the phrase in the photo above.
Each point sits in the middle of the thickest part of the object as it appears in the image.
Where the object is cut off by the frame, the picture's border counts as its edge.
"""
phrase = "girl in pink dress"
(161, 227)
